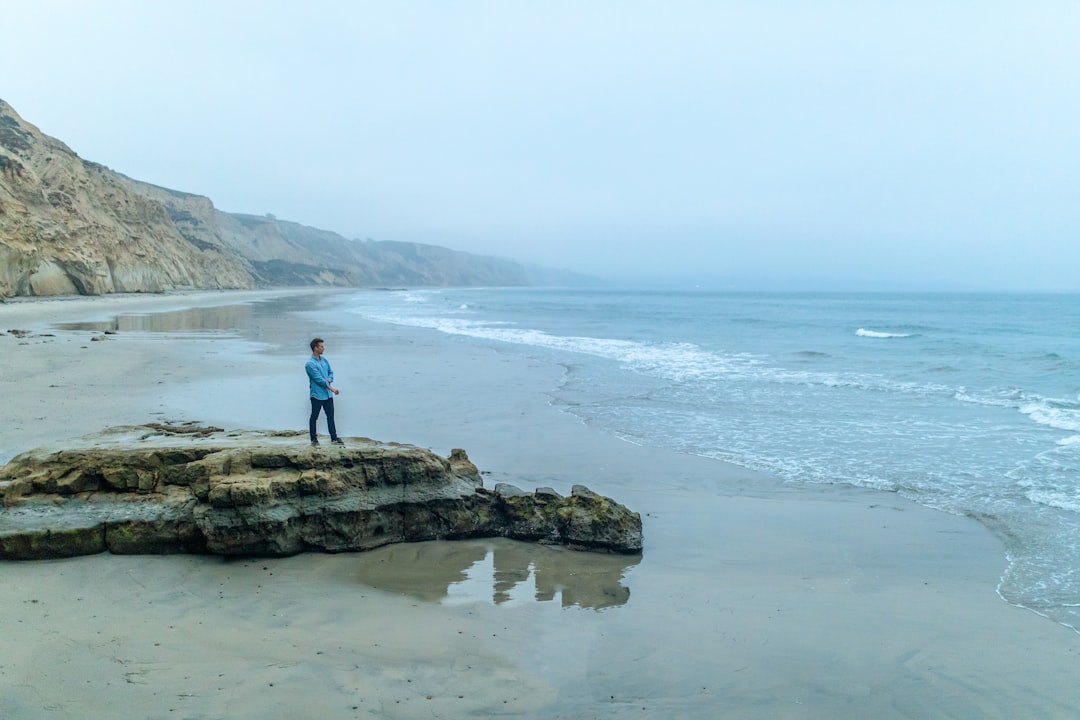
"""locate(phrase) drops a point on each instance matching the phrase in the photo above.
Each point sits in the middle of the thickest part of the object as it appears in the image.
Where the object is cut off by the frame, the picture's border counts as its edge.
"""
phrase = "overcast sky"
(814, 144)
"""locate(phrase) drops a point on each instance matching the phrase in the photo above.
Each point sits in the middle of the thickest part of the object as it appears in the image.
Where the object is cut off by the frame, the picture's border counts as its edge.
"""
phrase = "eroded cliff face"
(68, 226)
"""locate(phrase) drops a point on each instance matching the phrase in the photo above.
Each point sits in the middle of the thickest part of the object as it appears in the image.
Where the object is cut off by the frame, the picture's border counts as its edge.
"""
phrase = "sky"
(771, 144)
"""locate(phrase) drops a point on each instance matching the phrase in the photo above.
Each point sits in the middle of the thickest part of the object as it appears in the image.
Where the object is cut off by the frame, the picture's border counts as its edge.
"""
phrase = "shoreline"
(80, 385)
(758, 602)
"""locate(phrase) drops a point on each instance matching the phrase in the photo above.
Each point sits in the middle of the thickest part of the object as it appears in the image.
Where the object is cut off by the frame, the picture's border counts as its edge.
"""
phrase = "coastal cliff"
(188, 488)
(68, 226)
(71, 226)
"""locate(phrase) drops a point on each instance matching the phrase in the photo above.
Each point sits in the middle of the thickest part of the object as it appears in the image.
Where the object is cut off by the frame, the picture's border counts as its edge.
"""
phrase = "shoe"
(337, 441)
(314, 443)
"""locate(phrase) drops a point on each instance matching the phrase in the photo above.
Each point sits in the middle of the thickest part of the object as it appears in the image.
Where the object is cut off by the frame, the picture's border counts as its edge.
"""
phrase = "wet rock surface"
(191, 488)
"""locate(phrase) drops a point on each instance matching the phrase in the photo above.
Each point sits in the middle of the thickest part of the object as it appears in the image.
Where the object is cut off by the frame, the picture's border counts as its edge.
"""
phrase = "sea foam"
(863, 332)
(1054, 413)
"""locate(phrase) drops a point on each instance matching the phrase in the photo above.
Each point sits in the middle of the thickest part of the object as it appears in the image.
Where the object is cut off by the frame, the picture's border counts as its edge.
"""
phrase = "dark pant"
(316, 406)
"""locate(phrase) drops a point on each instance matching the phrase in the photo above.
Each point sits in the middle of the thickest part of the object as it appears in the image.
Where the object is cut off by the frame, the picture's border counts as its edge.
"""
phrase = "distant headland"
(70, 226)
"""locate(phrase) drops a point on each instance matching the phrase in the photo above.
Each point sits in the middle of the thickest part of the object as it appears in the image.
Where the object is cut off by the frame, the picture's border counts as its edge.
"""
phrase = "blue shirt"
(320, 375)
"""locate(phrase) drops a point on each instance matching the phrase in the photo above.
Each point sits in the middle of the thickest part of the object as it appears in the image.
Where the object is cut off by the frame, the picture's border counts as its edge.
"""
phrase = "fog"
(766, 145)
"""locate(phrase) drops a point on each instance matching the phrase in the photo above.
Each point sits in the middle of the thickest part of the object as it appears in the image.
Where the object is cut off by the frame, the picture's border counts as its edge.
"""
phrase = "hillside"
(71, 226)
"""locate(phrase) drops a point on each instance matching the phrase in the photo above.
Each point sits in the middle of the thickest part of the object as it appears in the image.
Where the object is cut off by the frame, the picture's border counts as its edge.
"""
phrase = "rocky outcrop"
(169, 489)
(70, 226)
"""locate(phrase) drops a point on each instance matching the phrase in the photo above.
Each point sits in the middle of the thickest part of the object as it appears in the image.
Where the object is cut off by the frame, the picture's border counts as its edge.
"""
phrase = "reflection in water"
(224, 317)
(498, 571)
(262, 320)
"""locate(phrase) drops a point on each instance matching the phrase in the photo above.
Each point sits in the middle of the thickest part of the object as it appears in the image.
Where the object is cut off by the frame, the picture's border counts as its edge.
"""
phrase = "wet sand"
(750, 600)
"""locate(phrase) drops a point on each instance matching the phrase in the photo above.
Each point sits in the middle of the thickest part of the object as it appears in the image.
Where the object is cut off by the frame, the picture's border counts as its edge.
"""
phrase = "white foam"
(1058, 500)
(862, 332)
(678, 361)
(963, 396)
(1054, 413)
(674, 361)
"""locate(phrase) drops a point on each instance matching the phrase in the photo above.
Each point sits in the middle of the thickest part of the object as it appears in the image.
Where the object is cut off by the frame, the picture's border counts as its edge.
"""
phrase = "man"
(320, 379)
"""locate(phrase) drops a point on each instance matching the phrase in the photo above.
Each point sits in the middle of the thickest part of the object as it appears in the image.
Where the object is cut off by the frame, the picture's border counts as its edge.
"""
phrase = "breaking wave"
(863, 332)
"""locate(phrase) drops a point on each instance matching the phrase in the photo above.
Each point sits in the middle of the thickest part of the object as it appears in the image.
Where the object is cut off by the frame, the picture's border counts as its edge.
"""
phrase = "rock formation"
(168, 489)
(70, 226)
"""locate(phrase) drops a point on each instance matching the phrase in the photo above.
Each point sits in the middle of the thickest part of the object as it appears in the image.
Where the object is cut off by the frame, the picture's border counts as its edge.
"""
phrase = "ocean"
(966, 403)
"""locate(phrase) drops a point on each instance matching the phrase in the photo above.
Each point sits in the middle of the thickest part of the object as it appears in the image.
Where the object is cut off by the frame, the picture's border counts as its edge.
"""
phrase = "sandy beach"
(750, 600)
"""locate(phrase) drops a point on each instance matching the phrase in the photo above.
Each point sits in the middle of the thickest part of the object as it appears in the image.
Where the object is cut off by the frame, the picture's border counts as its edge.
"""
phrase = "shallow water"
(965, 403)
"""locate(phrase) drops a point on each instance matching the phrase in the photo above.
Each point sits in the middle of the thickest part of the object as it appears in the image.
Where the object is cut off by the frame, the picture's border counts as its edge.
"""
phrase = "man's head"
(317, 346)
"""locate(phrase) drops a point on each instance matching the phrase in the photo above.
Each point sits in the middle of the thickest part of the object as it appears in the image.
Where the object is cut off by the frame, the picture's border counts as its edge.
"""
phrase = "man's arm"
(330, 377)
(315, 372)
